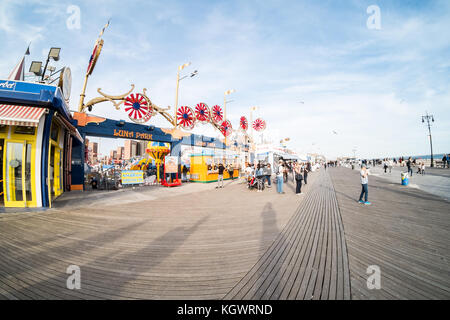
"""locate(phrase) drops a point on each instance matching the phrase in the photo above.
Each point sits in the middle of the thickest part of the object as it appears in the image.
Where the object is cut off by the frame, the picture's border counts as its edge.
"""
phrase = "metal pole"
(431, 144)
(176, 99)
(82, 95)
(225, 117)
(45, 68)
(427, 117)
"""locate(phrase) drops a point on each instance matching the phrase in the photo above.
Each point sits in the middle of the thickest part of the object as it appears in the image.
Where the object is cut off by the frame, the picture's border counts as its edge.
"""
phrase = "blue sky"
(370, 86)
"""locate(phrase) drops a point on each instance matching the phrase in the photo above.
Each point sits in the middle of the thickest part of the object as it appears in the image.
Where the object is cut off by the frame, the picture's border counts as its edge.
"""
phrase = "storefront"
(36, 136)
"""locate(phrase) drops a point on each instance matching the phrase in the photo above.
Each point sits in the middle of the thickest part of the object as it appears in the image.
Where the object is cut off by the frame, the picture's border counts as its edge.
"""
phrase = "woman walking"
(280, 177)
(298, 178)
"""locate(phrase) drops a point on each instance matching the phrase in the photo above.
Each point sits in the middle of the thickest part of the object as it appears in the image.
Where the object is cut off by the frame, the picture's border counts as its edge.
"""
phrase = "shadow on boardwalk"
(107, 276)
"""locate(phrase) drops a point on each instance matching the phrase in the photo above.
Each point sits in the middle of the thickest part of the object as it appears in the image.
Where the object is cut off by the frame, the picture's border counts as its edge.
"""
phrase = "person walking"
(409, 165)
(305, 174)
(444, 160)
(221, 169)
(280, 177)
(364, 173)
(298, 179)
(390, 164)
(260, 176)
(285, 172)
(231, 171)
(184, 173)
(268, 173)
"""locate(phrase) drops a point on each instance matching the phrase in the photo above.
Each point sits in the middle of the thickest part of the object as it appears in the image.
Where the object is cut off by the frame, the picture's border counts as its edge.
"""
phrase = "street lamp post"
(251, 129)
(225, 107)
(178, 86)
(427, 117)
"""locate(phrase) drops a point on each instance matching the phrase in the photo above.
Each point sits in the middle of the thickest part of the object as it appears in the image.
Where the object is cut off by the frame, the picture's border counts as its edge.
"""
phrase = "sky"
(311, 67)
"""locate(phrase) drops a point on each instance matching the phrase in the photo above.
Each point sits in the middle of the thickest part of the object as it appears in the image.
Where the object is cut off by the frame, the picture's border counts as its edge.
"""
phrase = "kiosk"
(204, 167)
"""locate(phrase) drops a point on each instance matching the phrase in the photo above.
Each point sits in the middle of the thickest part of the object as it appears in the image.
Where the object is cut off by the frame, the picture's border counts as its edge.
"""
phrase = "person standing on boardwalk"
(298, 178)
(364, 173)
(221, 169)
(305, 174)
(268, 173)
(285, 171)
(231, 171)
(444, 161)
(409, 164)
(280, 177)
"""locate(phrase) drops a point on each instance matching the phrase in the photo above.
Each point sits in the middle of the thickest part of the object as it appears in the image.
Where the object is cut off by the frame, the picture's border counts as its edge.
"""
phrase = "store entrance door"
(2, 201)
(17, 174)
(55, 172)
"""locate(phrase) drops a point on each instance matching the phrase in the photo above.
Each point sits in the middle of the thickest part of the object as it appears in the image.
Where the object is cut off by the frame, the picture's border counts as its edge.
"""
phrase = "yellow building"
(204, 168)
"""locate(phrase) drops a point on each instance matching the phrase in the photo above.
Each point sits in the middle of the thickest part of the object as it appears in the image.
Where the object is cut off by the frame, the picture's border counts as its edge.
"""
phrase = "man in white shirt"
(364, 174)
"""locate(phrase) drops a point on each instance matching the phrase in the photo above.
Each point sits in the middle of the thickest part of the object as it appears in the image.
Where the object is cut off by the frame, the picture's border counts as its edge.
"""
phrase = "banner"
(171, 164)
(132, 176)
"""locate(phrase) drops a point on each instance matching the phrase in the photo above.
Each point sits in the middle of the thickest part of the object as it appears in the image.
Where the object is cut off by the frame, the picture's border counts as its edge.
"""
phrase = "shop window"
(28, 151)
(2, 128)
(54, 132)
(25, 130)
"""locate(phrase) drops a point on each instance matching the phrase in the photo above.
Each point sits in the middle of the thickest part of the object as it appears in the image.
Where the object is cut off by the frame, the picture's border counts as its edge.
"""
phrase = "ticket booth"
(35, 144)
(204, 167)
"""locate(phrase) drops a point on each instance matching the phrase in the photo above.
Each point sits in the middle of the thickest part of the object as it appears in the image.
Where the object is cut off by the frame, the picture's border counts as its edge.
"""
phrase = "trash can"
(405, 178)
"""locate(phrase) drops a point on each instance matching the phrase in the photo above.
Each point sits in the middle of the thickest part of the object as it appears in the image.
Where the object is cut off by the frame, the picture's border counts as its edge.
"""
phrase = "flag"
(97, 49)
(183, 66)
(229, 91)
(103, 30)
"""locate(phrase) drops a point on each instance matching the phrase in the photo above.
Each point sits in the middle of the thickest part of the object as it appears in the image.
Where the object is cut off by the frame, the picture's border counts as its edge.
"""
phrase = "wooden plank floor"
(178, 245)
(308, 260)
(406, 233)
(232, 243)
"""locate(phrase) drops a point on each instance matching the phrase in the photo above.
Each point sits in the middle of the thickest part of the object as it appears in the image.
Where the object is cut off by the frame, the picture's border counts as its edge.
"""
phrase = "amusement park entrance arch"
(89, 125)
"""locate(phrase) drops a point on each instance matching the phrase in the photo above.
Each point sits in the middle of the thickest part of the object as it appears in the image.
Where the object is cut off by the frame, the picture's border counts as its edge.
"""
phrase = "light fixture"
(194, 73)
(36, 67)
(54, 53)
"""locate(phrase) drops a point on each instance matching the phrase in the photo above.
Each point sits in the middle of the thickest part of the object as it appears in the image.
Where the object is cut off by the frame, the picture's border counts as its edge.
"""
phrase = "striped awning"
(14, 115)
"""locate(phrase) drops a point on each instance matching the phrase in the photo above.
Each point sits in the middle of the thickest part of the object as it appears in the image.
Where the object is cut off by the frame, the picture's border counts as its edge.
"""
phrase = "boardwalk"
(308, 260)
(196, 242)
(406, 232)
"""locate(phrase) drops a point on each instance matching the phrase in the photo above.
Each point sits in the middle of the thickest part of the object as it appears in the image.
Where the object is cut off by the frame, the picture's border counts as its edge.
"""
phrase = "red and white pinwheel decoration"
(243, 123)
(259, 124)
(217, 114)
(138, 108)
(202, 112)
(185, 117)
(226, 128)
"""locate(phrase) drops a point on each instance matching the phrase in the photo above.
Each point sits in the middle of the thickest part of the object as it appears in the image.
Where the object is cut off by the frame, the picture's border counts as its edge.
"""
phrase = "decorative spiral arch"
(202, 112)
(138, 107)
(217, 114)
(259, 124)
(226, 128)
(185, 117)
(243, 123)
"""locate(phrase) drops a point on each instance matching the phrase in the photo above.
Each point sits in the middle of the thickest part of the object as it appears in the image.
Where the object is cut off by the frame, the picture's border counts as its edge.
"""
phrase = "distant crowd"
(257, 175)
